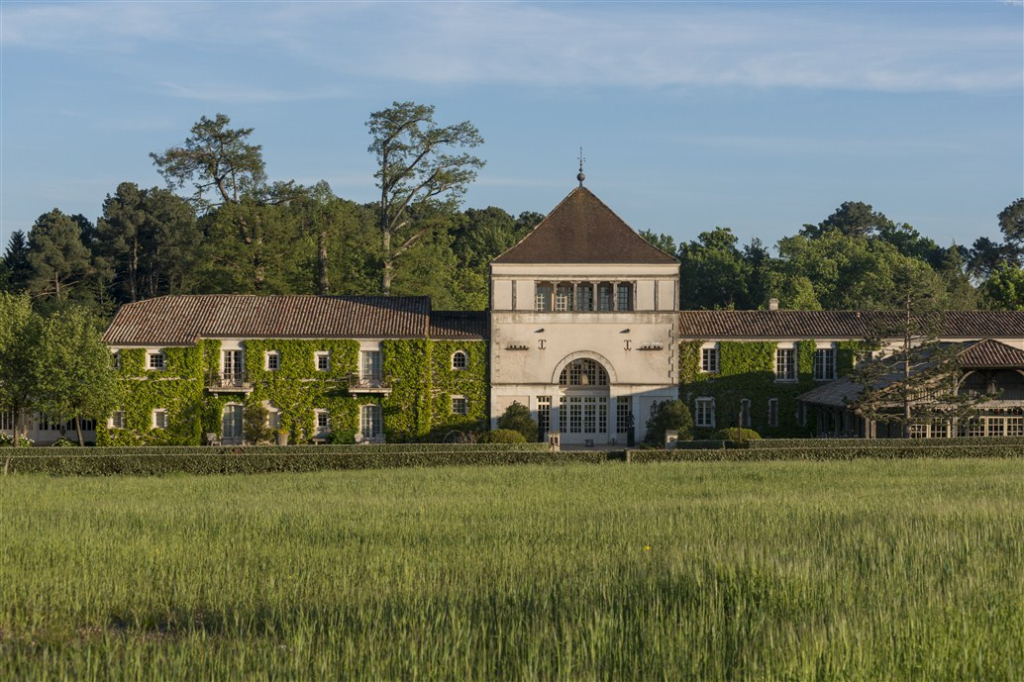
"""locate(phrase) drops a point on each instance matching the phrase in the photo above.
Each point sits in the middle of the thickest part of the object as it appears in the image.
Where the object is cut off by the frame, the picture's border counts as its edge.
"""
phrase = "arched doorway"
(584, 389)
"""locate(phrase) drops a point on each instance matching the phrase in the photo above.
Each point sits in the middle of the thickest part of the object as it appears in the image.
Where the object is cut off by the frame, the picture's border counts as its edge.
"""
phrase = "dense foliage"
(516, 417)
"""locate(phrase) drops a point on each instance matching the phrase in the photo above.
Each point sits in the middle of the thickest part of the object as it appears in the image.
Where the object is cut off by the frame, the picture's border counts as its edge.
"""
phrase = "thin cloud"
(841, 46)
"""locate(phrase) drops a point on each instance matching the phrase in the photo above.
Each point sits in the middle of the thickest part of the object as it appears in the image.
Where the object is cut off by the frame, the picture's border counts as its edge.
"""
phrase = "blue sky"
(759, 116)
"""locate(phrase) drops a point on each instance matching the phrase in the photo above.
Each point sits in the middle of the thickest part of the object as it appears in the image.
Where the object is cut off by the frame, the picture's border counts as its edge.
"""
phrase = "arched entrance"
(583, 407)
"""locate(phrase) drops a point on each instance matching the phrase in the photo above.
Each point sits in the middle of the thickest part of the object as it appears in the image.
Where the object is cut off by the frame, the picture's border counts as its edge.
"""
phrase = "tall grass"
(867, 570)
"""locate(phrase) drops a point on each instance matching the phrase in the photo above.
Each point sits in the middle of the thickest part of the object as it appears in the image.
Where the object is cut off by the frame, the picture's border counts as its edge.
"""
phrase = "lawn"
(864, 570)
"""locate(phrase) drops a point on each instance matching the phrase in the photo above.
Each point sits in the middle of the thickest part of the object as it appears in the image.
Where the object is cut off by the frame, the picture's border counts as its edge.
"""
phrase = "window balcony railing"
(228, 381)
(360, 383)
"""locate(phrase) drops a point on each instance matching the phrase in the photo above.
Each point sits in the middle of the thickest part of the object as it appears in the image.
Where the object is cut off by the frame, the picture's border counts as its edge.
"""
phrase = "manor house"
(584, 329)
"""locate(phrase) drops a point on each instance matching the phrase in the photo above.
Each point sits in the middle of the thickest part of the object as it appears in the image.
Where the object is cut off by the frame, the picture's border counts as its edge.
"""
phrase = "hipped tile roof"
(582, 229)
(991, 354)
(176, 320)
(779, 324)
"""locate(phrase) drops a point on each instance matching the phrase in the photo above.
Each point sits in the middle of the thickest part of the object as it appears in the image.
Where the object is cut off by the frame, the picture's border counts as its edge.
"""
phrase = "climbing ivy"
(747, 371)
(470, 383)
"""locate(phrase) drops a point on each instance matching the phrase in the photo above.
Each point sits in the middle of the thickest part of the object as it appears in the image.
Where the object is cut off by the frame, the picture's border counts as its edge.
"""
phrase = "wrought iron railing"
(227, 380)
(359, 382)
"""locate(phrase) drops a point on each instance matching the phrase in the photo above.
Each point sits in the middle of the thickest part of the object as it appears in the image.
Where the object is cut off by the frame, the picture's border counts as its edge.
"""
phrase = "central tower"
(584, 315)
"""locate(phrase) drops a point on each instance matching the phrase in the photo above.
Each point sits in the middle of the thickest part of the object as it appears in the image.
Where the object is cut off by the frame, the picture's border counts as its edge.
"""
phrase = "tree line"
(221, 225)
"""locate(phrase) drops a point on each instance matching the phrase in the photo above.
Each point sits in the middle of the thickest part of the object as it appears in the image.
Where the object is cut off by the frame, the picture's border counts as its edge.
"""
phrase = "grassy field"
(867, 570)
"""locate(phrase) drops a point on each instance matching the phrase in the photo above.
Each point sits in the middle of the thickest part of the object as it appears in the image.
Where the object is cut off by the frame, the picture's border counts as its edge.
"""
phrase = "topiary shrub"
(736, 434)
(517, 418)
(506, 436)
(671, 415)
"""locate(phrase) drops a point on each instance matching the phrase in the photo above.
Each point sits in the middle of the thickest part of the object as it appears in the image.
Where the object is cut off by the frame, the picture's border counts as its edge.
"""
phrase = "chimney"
(773, 304)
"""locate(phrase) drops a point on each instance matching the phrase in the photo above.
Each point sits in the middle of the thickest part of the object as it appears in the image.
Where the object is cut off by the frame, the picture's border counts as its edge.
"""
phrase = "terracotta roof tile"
(989, 353)
(175, 320)
(582, 229)
(460, 325)
(778, 324)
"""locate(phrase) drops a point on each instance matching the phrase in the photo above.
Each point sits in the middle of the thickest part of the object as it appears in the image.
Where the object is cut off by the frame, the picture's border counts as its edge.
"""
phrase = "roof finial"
(581, 177)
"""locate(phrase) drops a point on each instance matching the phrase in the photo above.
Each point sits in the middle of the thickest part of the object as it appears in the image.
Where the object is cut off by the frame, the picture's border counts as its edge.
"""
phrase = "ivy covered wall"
(418, 371)
(747, 371)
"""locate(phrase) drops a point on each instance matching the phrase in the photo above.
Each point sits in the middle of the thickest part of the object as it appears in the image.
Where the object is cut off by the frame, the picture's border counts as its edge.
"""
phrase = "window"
(459, 406)
(542, 297)
(604, 296)
(6, 421)
(1015, 426)
(709, 360)
(323, 422)
(157, 361)
(825, 364)
(785, 364)
(459, 360)
(563, 297)
(705, 413)
(625, 296)
(583, 373)
(543, 415)
(585, 297)
(369, 365)
(370, 422)
(117, 420)
(745, 413)
(563, 415)
(273, 417)
(115, 359)
(773, 412)
(323, 361)
(623, 415)
(159, 418)
(273, 361)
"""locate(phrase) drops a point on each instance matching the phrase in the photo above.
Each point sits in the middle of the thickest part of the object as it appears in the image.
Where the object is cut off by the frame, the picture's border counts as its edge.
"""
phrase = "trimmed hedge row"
(825, 453)
(151, 464)
(390, 448)
(773, 443)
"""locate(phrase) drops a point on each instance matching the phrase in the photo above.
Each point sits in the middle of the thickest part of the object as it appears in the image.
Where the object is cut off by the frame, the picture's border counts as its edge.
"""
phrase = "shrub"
(517, 418)
(64, 443)
(254, 423)
(506, 436)
(736, 434)
(669, 415)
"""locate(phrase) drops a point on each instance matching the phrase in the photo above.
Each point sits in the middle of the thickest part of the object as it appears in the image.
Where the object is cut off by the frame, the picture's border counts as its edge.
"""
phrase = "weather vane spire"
(580, 176)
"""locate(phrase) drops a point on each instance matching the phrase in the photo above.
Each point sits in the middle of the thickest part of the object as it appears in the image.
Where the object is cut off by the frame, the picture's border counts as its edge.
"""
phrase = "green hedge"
(825, 453)
(772, 443)
(387, 448)
(208, 462)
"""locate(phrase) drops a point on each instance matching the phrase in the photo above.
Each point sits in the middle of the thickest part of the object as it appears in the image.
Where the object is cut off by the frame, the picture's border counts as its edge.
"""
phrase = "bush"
(506, 436)
(736, 434)
(64, 443)
(517, 418)
(254, 423)
(671, 415)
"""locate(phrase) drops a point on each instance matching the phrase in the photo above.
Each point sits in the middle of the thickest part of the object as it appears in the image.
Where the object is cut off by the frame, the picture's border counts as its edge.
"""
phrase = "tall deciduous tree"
(57, 256)
(73, 369)
(416, 165)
